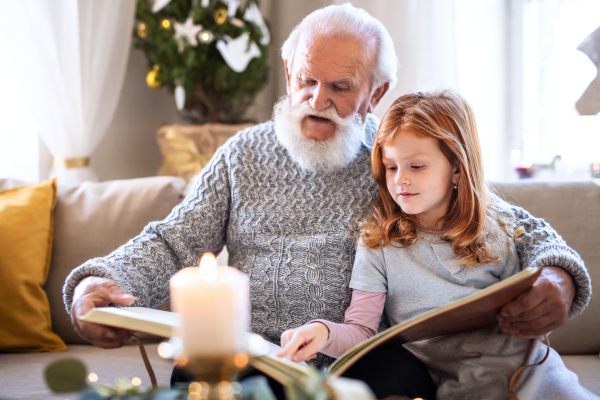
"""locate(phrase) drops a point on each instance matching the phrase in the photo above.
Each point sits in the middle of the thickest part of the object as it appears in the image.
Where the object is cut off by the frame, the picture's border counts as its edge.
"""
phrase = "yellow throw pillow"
(26, 223)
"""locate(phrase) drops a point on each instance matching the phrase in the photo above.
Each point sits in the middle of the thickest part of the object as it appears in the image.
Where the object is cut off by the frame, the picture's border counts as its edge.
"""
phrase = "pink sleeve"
(360, 323)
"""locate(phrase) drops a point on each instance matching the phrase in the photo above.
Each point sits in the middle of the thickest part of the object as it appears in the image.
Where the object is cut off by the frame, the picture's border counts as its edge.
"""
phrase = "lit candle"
(595, 170)
(213, 307)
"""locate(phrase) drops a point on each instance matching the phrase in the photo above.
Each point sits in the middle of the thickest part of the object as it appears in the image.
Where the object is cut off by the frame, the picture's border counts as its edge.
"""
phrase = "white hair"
(317, 155)
(348, 21)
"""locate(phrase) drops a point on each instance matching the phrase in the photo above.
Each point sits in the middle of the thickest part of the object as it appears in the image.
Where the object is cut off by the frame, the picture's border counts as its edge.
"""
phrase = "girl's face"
(419, 177)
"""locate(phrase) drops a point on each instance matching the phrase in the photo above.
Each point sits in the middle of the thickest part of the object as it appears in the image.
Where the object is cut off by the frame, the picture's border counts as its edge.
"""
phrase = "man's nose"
(320, 99)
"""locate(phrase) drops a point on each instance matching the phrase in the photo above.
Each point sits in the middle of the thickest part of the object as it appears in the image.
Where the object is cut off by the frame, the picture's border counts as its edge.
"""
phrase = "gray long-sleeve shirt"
(291, 230)
(474, 364)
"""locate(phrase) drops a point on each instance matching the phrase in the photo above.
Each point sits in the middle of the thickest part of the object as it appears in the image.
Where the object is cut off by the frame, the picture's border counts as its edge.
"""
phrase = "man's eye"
(308, 81)
(340, 88)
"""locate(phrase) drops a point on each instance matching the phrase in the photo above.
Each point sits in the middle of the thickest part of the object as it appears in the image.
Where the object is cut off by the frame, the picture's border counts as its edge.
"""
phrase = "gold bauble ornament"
(153, 78)
(142, 30)
(220, 15)
(166, 24)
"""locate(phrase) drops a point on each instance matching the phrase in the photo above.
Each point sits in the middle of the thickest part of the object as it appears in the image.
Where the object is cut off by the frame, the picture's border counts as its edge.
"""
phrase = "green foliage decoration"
(214, 92)
(257, 388)
(66, 375)
(69, 375)
(316, 389)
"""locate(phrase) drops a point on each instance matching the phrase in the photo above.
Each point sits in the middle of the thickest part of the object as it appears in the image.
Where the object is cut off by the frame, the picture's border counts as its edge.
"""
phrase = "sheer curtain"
(70, 58)
(424, 36)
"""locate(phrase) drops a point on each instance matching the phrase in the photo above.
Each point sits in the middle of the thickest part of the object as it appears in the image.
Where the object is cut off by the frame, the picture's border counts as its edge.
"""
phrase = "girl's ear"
(456, 174)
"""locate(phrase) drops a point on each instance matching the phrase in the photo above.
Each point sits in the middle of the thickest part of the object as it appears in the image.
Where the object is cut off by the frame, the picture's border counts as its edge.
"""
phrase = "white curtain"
(70, 57)
(424, 37)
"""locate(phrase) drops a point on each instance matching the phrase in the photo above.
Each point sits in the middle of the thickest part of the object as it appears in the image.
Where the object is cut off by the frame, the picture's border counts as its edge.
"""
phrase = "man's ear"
(377, 95)
(288, 78)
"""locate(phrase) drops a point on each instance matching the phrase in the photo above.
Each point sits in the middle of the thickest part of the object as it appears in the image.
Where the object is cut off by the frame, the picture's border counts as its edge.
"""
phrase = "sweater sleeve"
(142, 267)
(542, 246)
(360, 323)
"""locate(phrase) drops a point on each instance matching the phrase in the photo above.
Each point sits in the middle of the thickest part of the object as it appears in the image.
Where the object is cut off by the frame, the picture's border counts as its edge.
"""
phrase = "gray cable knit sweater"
(291, 230)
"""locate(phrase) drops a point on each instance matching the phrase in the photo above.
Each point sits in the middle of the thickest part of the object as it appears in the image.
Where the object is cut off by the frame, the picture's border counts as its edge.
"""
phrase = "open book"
(474, 311)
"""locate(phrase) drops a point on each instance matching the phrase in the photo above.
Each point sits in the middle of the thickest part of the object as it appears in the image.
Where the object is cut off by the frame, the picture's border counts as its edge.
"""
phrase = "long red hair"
(447, 117)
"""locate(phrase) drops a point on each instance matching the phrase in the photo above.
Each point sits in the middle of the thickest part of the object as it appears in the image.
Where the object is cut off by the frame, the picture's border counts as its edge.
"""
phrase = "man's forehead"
(313, 67)
(341, 55)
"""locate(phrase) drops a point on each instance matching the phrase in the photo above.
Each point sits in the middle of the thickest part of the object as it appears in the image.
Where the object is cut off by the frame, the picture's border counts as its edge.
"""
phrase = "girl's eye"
(391, 168)
(417, 166)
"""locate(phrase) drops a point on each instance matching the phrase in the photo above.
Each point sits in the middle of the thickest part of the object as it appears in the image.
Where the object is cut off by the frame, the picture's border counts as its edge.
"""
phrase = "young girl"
(436, 237)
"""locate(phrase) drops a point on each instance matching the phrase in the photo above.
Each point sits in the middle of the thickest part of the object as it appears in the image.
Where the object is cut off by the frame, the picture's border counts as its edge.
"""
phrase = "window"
(548, 75)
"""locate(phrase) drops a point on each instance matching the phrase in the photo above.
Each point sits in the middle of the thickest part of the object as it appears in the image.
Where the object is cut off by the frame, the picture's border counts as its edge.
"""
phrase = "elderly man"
(286, 197)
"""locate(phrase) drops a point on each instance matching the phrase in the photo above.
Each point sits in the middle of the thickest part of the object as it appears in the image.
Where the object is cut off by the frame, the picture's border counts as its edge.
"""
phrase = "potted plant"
(212, 56)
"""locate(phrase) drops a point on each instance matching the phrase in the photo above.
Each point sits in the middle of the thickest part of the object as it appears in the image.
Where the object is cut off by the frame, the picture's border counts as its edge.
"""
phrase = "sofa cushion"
(22, 375)
(92, 220)
(587, 369)
(573, 209)
(6, 184)
(26, 222)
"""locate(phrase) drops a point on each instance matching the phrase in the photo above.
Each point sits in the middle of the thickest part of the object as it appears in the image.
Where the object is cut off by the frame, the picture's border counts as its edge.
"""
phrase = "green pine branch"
(215, 93)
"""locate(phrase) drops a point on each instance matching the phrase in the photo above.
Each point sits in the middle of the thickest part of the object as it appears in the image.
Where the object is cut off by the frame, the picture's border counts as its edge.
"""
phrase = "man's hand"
(303, 344)
(542, 308)
(99, 292)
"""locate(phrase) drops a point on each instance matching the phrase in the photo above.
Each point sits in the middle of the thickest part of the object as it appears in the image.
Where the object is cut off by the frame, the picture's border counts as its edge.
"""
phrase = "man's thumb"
(119, 296)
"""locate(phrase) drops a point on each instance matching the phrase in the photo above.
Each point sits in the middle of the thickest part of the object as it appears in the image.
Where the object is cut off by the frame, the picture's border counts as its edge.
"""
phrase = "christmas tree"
(210, 54)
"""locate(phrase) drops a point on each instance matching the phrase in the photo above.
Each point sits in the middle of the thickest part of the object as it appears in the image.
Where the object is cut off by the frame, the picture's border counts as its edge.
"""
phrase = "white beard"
(317, 155)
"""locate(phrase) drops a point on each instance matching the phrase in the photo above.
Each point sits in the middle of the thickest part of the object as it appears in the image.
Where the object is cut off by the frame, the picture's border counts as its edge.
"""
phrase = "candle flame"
(208, 267)
(240, 360)
(526, 164)
(165, 350)
(195, 388)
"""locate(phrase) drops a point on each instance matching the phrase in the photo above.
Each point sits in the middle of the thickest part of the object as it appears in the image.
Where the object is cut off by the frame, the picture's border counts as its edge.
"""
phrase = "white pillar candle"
(213, 307)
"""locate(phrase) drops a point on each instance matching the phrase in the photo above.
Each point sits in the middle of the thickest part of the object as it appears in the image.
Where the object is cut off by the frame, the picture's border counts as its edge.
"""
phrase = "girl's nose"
(401, 178)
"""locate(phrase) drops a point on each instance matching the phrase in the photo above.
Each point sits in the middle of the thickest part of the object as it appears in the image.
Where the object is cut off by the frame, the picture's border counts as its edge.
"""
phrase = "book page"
(142, 319)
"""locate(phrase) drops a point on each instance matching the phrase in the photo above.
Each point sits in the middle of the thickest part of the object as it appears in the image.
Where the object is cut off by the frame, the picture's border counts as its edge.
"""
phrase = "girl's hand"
(303, 344)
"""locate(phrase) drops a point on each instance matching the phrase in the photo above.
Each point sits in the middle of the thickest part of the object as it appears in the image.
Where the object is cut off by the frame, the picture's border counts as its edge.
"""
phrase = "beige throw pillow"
(92, 220)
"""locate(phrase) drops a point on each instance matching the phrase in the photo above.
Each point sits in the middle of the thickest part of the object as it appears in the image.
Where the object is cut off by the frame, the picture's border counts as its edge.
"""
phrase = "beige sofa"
(94, 218)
